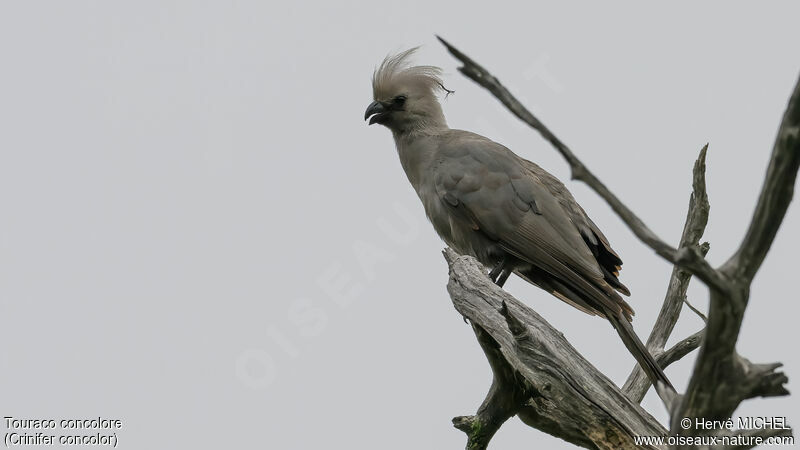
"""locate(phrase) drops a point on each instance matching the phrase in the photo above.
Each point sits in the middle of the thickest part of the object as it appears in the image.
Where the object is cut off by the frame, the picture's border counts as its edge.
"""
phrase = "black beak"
(377, 111)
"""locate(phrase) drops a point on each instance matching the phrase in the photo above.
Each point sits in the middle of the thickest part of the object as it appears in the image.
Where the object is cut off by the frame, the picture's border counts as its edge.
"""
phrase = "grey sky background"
(201, 236)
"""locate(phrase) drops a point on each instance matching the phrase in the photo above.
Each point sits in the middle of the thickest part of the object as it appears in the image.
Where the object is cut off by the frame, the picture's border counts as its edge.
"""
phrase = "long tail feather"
(638, 350)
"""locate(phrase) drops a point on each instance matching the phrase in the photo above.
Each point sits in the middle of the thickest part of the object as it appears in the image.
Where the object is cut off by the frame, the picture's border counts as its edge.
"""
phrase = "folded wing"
(531, 216)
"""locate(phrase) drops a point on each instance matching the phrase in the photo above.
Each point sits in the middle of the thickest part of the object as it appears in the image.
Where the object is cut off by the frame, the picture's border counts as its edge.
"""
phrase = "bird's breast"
(454, 231)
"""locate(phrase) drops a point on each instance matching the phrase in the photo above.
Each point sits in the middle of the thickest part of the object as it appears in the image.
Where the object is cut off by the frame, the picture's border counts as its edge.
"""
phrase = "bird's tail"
(638, 350)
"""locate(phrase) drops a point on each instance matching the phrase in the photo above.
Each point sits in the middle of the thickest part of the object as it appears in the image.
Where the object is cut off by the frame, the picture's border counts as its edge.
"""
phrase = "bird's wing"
(487, 185)
(609, 261)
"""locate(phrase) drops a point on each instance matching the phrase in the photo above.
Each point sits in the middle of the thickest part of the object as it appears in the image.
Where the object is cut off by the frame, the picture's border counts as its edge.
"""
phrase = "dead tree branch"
(538, 375)
(721, 379)
(696, 219)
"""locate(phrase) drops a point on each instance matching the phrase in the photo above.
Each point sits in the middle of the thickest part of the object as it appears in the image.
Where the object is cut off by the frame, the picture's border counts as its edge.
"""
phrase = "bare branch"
(699, 313)
(761, 380)
(538, 375)
(720, 381)
(693, 229)
(687, 257)
(502, 402)
(776, 194)
(680, 349)
(696, 219)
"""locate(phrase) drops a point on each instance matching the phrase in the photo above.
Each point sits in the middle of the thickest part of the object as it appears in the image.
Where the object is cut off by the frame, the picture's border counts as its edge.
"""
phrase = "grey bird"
(487, 202)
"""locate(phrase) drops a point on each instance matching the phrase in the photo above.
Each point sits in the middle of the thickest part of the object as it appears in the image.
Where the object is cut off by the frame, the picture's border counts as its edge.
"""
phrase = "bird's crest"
(396, 72)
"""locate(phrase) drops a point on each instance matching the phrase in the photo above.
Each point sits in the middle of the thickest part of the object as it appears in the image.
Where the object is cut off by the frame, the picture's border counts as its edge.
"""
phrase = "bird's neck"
(417, 151)
(419, 130)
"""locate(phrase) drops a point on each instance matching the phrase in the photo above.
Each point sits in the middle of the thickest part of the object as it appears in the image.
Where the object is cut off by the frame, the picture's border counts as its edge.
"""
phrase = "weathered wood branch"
(501, 403)
(696, 220)
(697, 312)
(776, 194)
(721, 379)
(538, 375)
(678, 351)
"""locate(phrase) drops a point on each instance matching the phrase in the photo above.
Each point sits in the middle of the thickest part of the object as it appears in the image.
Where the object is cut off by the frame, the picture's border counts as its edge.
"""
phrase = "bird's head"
(405, 96)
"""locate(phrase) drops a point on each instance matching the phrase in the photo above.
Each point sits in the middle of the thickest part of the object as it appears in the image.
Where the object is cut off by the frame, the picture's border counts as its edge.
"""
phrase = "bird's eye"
(399, 100)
